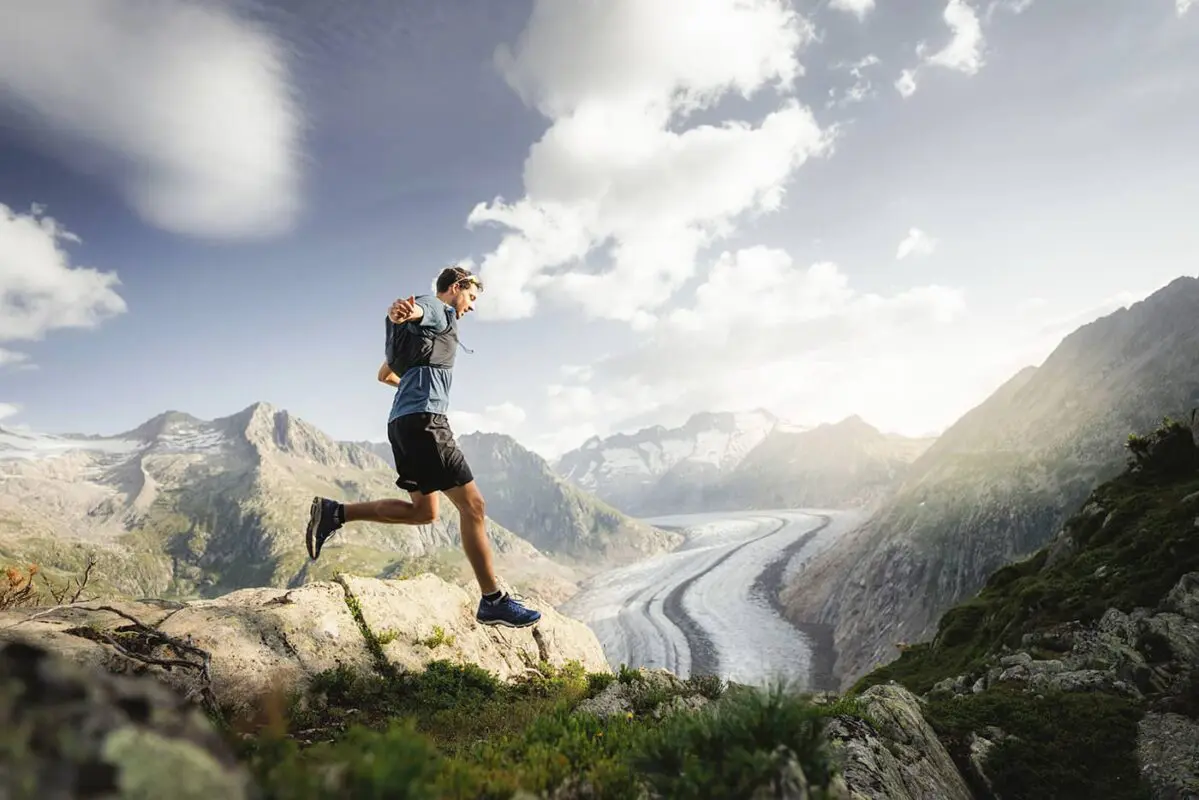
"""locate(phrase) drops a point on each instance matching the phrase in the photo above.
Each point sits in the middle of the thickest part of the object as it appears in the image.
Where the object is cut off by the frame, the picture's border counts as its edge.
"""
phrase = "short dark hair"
(451, 275)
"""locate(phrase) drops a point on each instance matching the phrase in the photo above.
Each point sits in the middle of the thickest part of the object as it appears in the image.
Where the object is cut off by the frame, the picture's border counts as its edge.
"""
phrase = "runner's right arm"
(402, 311)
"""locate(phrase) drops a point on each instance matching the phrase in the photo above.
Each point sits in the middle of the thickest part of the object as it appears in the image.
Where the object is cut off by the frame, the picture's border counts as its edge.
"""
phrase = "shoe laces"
(507, 593)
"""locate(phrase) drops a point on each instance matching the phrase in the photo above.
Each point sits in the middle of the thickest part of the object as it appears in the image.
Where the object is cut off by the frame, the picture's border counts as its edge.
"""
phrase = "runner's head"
(459, 289)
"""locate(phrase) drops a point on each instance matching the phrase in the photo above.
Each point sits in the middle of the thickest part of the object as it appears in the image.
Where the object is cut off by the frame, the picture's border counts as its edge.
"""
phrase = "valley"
(707, 607)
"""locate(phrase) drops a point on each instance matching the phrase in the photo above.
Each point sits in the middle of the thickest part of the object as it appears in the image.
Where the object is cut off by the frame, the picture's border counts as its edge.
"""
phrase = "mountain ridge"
(1000, 482)
(185, 507)
(523, 492)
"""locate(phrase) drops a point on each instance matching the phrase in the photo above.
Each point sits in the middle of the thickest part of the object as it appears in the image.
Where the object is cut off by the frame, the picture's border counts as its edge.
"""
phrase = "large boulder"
(241, 648)
(68, 730)
(897, 755)
(423, 619)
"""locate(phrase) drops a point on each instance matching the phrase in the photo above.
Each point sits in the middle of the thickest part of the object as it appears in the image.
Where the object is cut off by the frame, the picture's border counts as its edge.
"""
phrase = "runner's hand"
(401, 310)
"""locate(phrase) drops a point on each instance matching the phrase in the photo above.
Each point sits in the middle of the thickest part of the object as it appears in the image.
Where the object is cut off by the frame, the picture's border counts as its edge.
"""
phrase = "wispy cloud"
(40, 290)
(8, 410)
(859, 8)
(916, 243)
(1010, 6)
(1182, 6)
(185, 104)
(861, 89)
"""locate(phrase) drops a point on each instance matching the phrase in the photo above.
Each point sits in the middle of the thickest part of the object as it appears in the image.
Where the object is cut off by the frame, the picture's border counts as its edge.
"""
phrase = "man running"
(427, 457)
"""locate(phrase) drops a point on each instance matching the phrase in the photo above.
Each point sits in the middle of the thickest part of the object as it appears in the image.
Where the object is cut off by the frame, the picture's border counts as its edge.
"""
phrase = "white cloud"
(8, 410)
(1182, 6)
(617, 172)
(964, 52)
(906, 83)
(859, 8)
(40, 290)
(806, 322)
(188, 106)
(502, 418)
(916, 243)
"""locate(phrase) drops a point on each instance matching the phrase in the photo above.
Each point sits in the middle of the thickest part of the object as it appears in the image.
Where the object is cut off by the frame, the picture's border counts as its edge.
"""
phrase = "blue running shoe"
(506, 611)
(322, 523)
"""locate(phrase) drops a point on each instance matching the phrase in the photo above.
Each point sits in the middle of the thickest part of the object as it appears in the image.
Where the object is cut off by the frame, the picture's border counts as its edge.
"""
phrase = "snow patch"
(24, 446)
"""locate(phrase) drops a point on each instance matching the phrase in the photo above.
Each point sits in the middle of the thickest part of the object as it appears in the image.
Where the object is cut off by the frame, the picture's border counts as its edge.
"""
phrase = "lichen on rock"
(67, 730)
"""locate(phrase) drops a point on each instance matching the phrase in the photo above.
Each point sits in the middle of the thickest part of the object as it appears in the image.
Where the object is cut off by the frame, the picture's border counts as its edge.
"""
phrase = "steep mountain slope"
(1075, 672)
(524, 494)
(186, 507)
(663, 471)
(850, 464)
(1003, 480)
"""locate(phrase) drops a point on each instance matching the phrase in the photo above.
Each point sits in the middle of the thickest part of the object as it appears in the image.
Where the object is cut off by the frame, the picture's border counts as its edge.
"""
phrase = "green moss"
(1065, 745)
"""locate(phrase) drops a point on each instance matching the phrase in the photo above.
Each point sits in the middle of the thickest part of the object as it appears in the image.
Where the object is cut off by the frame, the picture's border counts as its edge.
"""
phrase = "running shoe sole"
(314, 522)
(505, 623)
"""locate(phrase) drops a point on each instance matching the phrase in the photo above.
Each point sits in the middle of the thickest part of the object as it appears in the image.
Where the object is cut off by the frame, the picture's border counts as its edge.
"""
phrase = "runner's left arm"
(387, 376)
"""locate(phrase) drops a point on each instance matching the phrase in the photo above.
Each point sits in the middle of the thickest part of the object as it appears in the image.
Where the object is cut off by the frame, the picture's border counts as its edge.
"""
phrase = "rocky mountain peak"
(164, 424)
(273, 430)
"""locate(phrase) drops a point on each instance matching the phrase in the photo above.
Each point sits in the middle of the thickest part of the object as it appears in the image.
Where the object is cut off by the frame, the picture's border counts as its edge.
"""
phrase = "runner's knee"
(425, 511)
(475, 507)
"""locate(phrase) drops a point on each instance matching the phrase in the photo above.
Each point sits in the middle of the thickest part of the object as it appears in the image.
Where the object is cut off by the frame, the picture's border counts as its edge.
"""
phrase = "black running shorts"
(427, 457)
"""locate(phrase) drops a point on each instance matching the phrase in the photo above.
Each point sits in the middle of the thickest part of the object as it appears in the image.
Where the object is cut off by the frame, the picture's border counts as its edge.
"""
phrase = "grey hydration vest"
(411, 345)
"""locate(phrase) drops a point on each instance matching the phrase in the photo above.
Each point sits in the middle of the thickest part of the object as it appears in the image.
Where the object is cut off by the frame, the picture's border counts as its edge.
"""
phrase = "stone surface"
(68, 730)
(620, 697)
(1168, 751)
(897, 758)
(266, 641)
(1183, 599)
(407, 614)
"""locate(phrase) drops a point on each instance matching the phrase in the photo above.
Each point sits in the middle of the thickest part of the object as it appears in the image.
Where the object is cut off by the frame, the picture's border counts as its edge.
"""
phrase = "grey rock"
(1169, 636)
(65, 728)
(1168, 754)
(1183, 599)
(1016, 659)
(1083, 680)
(897, 758)
(657, 687)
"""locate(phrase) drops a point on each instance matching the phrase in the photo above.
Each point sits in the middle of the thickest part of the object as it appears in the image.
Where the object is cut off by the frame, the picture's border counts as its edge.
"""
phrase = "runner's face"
(464, 303)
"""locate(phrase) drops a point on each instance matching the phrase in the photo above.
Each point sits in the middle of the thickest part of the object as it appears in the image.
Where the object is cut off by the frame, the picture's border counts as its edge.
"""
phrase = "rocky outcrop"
(245, 646)
(896, 755)
(70, 730)
(1168, 751)
(1150, 656)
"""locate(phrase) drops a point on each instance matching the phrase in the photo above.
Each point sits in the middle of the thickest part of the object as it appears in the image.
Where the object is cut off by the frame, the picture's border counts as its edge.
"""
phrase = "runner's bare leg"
(421, 511)
(469, 502)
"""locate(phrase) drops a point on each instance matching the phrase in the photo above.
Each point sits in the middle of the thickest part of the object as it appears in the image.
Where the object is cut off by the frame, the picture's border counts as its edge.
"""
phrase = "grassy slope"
(1134, 539)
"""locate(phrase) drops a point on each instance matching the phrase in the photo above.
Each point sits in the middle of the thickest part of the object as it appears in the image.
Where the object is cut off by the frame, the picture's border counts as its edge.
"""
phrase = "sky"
(819, 208)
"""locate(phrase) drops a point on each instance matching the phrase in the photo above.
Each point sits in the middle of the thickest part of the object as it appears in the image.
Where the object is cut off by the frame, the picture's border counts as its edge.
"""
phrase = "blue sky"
(678, 206)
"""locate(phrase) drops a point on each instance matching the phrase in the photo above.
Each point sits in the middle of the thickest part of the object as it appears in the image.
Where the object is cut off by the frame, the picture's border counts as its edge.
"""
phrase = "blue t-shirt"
(426, 389)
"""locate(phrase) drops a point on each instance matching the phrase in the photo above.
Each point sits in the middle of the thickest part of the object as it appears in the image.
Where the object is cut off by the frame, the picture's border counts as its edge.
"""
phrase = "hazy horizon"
(823, 209)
